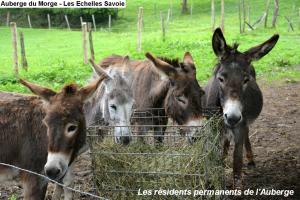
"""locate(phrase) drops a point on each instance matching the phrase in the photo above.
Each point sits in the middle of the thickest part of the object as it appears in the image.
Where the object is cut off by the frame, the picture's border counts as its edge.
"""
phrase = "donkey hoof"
(251, 164)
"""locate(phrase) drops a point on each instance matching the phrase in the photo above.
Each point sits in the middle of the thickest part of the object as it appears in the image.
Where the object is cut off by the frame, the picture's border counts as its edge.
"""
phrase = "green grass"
(55, 56)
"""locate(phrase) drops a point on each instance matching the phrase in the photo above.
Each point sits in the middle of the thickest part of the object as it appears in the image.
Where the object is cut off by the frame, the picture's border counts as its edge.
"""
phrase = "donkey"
(43, 133)
(233, 87)
(164, 83)
(113, 100)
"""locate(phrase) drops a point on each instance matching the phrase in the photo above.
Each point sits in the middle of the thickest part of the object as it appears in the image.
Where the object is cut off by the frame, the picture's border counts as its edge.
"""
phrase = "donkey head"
(183, 99)
(117, 102)
(235, 73)
(65, 122)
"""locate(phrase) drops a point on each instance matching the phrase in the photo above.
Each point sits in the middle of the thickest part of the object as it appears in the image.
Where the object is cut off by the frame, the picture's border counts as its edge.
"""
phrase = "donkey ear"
(87, 91)
(219, 43)
(162, 66)
(187, 58)
(256, 53)
(43, 92)
(99, 70)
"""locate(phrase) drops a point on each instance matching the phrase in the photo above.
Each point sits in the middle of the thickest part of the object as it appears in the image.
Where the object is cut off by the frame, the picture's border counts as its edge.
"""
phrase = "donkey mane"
(70, 89)
(172, 61)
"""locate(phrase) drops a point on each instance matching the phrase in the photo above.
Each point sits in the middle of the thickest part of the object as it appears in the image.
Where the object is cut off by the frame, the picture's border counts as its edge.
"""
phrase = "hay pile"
(121, 171)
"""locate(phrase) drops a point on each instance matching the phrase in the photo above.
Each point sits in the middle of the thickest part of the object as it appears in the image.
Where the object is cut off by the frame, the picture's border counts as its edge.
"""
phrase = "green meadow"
(55, 56)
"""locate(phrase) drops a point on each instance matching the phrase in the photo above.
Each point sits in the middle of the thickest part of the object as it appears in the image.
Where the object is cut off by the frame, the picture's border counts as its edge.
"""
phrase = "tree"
(184, 6)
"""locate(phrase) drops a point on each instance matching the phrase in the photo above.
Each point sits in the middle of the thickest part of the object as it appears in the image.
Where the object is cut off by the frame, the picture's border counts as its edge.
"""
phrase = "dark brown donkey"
(233, 87)
(168, 84)
(42, 133)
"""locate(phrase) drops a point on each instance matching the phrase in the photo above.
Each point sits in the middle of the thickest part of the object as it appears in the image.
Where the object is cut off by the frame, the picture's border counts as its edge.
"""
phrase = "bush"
(39, 16)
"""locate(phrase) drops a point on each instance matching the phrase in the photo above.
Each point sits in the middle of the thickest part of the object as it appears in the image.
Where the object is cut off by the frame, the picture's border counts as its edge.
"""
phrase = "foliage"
(39, 16)
(55, 56)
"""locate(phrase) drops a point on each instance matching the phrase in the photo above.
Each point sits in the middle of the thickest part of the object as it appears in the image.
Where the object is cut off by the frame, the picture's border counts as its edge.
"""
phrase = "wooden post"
(13, 27)
(84, 43)
(67, 21)
(81, 21)
(222, 15)
(109, 22)
(267, 13)
(163, 26)
(23, 54)
(139, 28)
(7, 18)
(249, 13)
(29, 21)
(213, 15)
(275, 13)
(94, 23)
(299, 18)
(240, 17)
(49, 21)
(191, 11)
(91, 45)
(244, 15)
(168, 16)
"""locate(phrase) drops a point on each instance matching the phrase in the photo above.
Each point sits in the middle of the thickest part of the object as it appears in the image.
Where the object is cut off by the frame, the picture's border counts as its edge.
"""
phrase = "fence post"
(163, 26)
(23, 54)
(109, 22)
(81, 21)
(275, 14)
(91, 45)
(7, 18)
(94, 23)
(191, 11)
(213, 15)
(222, 15)
(67, 21)
(13, 27)
(267, 13)
(240, 17)
(29, 21)
(139, 27)
(299, 18)
(244, 15)
(84, 43)
(49, 21)
(168, 16)
(249, 13)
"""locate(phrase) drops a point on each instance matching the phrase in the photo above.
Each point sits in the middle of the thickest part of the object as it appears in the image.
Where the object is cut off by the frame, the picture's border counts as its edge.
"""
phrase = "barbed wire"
(53, 181)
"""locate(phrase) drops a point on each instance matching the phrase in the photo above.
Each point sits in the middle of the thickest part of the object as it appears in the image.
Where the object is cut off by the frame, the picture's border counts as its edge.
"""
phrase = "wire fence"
(53, 181)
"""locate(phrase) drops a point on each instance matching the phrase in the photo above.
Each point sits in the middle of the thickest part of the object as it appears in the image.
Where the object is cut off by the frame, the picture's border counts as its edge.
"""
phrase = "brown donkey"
(42, 133)
(164, 83)
(233, 87)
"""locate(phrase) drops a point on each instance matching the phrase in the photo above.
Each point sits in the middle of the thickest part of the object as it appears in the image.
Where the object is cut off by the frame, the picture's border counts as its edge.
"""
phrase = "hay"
(120, 171)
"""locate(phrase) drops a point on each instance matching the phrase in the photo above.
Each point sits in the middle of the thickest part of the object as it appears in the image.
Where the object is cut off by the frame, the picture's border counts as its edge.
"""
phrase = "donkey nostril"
(53, 172)
(233, 120)
(225, 116)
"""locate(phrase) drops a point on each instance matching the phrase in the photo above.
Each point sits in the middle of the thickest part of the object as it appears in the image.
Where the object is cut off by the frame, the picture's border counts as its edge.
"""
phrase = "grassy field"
(55, 56)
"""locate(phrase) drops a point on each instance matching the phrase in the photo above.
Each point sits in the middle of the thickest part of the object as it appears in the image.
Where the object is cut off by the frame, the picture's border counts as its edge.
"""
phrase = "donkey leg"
(34, 187)
(249, 153)
(226, 145)
(238, 159)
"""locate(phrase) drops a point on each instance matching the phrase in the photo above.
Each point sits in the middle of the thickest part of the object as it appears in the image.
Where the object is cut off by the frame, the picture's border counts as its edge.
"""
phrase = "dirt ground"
(275, 138)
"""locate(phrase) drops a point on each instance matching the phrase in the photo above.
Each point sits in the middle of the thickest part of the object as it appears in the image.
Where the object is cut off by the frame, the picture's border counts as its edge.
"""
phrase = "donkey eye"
(72, 128)
(246, 80)
(181, 99)
(114, 107)
(221, 79)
